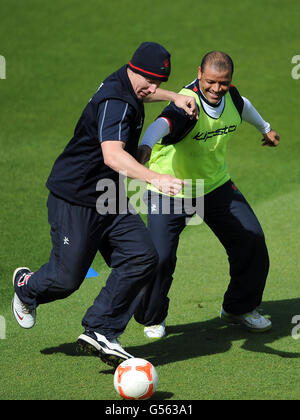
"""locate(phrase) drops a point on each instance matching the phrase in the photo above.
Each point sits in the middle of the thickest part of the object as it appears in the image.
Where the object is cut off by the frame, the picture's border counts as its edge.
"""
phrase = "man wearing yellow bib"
(195, 150)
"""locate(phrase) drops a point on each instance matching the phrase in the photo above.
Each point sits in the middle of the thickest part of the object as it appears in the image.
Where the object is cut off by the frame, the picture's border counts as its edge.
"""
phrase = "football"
(135, 379)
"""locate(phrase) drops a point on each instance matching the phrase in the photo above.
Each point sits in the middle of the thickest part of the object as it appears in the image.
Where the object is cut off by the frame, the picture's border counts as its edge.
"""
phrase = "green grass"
(57, 53)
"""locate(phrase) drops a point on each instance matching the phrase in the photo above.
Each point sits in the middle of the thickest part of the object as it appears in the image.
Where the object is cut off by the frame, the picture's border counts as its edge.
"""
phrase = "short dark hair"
(219, 60)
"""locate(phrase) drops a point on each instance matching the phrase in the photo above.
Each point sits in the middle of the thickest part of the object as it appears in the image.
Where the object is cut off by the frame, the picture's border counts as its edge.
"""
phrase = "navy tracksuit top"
(80, 166)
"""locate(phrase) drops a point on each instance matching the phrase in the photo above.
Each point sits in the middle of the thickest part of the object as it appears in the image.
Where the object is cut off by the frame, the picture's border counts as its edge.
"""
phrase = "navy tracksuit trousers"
(230, 217)
(77, 234)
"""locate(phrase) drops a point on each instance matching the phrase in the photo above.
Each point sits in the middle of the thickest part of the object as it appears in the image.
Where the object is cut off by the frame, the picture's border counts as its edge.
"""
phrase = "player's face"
(214, 84)
(143, 86)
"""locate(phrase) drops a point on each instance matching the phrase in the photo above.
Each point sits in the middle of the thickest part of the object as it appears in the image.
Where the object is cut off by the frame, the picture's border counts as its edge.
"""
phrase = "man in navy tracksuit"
(87, 216)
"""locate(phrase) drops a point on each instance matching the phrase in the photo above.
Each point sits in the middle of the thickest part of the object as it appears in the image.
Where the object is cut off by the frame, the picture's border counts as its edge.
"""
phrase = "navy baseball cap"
(151, 60)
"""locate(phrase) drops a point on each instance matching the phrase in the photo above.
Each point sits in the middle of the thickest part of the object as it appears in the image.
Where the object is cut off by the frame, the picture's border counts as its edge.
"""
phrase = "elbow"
(113, 153)
(109, 161)
(112, 160)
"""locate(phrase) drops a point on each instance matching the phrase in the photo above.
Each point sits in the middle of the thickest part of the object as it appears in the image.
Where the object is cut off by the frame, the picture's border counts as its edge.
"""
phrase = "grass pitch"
(57, 53)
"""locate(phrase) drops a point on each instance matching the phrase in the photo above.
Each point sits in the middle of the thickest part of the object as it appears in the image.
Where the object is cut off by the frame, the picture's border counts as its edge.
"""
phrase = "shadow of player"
(193, 340)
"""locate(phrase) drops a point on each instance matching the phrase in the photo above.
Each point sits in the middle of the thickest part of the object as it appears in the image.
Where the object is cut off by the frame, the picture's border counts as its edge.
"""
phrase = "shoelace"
(154, 327)
(116, 341)
(254, 314)
(25, 309)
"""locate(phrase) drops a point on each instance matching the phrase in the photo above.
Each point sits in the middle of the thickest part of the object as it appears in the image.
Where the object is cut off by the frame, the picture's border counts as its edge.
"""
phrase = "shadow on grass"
(193, 340)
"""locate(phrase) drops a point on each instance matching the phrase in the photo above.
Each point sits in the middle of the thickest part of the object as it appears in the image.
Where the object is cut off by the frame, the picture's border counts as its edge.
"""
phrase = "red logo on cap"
(166, 65)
